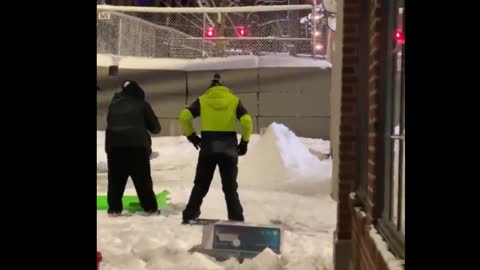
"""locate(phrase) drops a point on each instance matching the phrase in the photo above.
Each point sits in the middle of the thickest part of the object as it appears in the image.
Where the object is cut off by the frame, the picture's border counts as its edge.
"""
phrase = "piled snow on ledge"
(212, 63)
(392, 262)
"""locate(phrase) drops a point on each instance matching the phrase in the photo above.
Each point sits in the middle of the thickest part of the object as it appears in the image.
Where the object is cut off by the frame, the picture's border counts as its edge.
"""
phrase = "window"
(392, 220)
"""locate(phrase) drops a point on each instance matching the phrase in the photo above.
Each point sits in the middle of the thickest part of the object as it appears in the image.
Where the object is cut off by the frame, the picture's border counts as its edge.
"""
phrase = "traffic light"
(210, 33)
(242, 31)
(399, 37)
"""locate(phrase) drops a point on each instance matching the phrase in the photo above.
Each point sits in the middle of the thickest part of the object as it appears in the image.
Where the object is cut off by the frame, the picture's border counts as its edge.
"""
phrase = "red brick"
(373, 67)
(351, 18)
(350, 60)
(346, 175)
(347, 119)
(371, 186)
(374, 53)
(346, 168)
(349, 78)
(372, 141)
(344, 235)
(373, 83)
(371, 162)
(348, 70)
(348, 136)
(345, 145)
(349, 99)
(350, 94)
(350, 50)
(351, 29)
(347, 156)
(352, 3)
(344, 216)
(345, 186)
(378, 11)
(371, 170)
(349, 38)
(348, 108)
(378, 26)
(347, 133)
(344, 224)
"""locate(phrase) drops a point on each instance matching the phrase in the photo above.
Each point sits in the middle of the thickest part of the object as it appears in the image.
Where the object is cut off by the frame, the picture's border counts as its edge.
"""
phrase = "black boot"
(188, 220)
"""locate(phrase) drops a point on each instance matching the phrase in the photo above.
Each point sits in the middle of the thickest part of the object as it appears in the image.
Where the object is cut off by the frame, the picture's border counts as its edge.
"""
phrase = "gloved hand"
(195, 140)
(242, 147)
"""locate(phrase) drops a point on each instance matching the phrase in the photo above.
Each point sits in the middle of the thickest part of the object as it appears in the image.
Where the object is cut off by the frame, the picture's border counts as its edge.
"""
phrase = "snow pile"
(160, 242)
(267, 259)
(318, 147)
(212, 63)
(101, 155)
(278, 159)
(392, 262)
(273, 176)
(291, 166)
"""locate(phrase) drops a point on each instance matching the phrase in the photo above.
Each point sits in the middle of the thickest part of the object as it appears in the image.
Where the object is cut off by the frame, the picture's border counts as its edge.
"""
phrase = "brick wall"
(365, 253)
(351, 224)
(348, 114)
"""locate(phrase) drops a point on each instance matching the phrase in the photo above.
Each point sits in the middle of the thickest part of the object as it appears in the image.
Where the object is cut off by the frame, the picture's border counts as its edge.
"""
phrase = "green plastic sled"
(131, 203)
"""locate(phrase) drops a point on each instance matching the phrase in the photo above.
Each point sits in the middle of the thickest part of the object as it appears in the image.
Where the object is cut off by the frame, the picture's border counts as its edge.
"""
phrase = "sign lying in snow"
(234, 239)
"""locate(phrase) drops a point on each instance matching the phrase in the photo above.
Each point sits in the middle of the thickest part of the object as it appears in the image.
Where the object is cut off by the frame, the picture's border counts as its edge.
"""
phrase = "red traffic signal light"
(242, 31)
(399, 37)
(210, 33)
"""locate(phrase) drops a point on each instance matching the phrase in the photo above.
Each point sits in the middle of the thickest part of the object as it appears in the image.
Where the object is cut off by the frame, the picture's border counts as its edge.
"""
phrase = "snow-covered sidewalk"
(280, 180)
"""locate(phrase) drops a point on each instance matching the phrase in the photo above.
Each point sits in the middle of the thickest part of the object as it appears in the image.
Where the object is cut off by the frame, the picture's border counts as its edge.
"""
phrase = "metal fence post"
(203, 38)
(314, 38)
(120, 36)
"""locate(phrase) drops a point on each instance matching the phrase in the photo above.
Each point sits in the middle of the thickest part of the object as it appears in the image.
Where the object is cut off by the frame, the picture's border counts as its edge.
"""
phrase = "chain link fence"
(204, 32)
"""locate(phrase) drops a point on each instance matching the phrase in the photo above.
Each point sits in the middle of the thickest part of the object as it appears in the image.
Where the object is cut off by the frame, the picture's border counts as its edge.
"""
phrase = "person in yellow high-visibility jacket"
(218, 109)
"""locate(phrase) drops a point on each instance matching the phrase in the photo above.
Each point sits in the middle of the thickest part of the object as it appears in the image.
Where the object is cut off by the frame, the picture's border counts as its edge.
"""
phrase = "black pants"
(133, 162)
(206, 165)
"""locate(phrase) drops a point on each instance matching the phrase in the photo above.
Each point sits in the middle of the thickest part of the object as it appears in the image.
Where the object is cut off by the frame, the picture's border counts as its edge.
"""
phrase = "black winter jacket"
(130, 119)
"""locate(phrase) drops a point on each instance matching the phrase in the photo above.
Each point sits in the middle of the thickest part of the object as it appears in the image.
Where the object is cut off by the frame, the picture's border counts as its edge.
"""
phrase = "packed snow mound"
(318, 147)
(290, 163)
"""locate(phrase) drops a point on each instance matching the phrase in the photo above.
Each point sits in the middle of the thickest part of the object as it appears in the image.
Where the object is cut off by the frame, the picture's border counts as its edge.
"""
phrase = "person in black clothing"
(128, 146)
(219, 110)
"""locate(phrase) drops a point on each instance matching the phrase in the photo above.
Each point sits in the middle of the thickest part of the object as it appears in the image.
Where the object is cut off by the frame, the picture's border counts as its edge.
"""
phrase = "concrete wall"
(297, 97)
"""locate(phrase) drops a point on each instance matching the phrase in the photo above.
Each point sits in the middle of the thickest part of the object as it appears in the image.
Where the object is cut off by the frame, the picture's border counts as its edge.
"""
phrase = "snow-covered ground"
(212, 63)
(280, 181)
